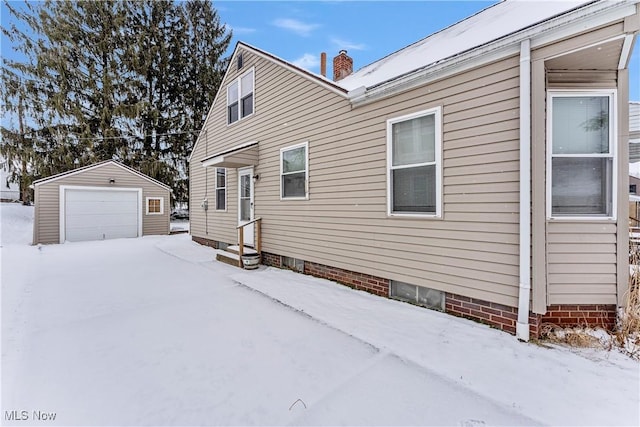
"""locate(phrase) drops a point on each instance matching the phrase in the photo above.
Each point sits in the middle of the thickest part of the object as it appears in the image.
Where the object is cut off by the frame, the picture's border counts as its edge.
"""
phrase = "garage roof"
(98, 165)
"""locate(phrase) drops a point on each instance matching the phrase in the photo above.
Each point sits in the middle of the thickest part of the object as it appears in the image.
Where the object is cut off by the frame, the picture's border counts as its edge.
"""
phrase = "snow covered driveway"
(151, 331)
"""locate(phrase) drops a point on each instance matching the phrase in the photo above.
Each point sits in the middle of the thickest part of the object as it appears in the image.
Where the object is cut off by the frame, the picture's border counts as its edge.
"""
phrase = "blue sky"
(299, 31)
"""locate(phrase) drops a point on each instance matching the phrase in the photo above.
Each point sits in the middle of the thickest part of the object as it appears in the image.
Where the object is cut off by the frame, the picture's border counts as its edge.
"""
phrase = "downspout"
(522, 326)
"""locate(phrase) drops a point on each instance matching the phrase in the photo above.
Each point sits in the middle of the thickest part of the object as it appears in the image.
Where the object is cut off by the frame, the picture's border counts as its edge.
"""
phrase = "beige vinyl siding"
(575, 261)
(581, 263)
(471, 251)
(47, 198)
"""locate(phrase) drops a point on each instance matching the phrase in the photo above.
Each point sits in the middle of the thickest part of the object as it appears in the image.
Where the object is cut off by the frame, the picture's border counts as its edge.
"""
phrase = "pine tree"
(125, 80)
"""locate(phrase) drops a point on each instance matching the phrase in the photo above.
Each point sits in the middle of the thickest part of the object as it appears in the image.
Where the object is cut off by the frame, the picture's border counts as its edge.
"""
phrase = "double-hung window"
(294, 171)
(240, 98)
(221, 189)
(581, 159)
(414, 157)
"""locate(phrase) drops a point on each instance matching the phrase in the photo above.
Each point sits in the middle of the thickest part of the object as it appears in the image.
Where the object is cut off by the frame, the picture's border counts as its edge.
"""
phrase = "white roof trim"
(96, 166)
(626, 52)
(219, 157)
(579, 20)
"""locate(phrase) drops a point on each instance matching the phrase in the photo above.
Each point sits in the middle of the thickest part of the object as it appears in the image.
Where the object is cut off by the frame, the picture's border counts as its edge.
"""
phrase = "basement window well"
(426, 297)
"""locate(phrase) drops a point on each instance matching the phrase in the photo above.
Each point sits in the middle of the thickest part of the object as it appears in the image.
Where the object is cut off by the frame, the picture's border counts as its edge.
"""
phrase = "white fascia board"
(213, 161)
(220, 155)
(99, 165)
(578, 21)
(626, 51)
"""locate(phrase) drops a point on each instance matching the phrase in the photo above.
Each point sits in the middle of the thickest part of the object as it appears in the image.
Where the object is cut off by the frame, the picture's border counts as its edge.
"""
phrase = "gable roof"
(490, 34)
(490, 24)
(96, 166)
(317, 78)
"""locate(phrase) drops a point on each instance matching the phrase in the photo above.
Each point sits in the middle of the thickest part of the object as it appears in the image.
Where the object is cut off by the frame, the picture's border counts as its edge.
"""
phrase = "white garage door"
(100, 214)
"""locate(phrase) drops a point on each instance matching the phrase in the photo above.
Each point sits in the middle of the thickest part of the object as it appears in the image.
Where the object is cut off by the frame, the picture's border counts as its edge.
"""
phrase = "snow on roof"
(634, 169)
(489, 24)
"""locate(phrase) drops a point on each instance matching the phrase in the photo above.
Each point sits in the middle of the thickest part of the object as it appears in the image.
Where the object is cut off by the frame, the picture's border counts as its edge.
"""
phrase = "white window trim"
(161, 205)
(238, 80)
(437, 112)
(306, 170)
(216, 188)
(613, 142)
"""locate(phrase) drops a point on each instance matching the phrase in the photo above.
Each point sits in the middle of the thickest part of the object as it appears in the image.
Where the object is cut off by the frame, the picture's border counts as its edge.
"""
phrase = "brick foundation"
(359, 281)
(500, 316)
(205, 242)
(271, 260)
(566, 315)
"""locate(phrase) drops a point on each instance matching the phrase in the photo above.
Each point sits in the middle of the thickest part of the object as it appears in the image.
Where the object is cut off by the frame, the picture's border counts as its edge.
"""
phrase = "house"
(477, 171)
(107, 200)
(9, 190)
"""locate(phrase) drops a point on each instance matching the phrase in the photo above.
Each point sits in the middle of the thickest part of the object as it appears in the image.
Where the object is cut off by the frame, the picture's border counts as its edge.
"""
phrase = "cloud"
(307, 61)
(298, 27)
(347, 45)
(243, 30)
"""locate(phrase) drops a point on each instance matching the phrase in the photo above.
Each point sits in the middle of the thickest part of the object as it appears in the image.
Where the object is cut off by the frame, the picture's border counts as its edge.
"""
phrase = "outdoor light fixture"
(256, 177)
(112, 180)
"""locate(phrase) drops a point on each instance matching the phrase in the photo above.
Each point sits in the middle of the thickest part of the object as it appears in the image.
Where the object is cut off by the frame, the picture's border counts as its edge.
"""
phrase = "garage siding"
(47, 194)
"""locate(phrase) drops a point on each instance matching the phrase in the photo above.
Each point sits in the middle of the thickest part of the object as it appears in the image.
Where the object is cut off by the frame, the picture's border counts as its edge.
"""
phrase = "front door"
(245, 203)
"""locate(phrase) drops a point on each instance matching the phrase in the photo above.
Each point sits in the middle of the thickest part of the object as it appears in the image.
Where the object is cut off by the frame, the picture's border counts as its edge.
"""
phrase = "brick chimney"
(342, 66)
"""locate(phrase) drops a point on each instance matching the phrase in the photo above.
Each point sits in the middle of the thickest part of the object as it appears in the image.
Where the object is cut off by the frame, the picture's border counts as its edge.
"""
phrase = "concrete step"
(235, 250)
(228, 258)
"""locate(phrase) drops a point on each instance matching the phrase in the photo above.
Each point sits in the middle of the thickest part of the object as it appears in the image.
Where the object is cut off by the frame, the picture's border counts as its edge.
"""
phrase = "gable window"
(582, 156)
(221, 189)
(294, 171)
(155, 205)
(240, 98)
(414, 159)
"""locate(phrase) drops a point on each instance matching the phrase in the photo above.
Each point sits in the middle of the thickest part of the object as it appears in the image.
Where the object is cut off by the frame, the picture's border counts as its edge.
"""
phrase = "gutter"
(582, 19)
(524, 295)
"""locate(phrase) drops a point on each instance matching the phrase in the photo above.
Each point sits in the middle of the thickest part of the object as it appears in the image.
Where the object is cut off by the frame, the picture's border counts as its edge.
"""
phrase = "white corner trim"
(62, 199)
(161, 205)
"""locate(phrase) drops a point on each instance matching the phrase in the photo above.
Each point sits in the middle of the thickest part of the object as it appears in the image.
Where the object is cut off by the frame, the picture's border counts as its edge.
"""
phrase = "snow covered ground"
(152, 331)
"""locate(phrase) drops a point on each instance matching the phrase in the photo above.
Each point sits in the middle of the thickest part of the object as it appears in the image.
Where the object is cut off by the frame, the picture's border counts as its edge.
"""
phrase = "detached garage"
(107, 200)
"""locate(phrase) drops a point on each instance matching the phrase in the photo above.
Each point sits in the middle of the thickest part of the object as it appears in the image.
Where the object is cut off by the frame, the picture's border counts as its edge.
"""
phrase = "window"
(414, 159)
(221, 189)
(633, 188)
(581, 150)
(240, 98)
(430, 298)
(294, 172)
(155, 205)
